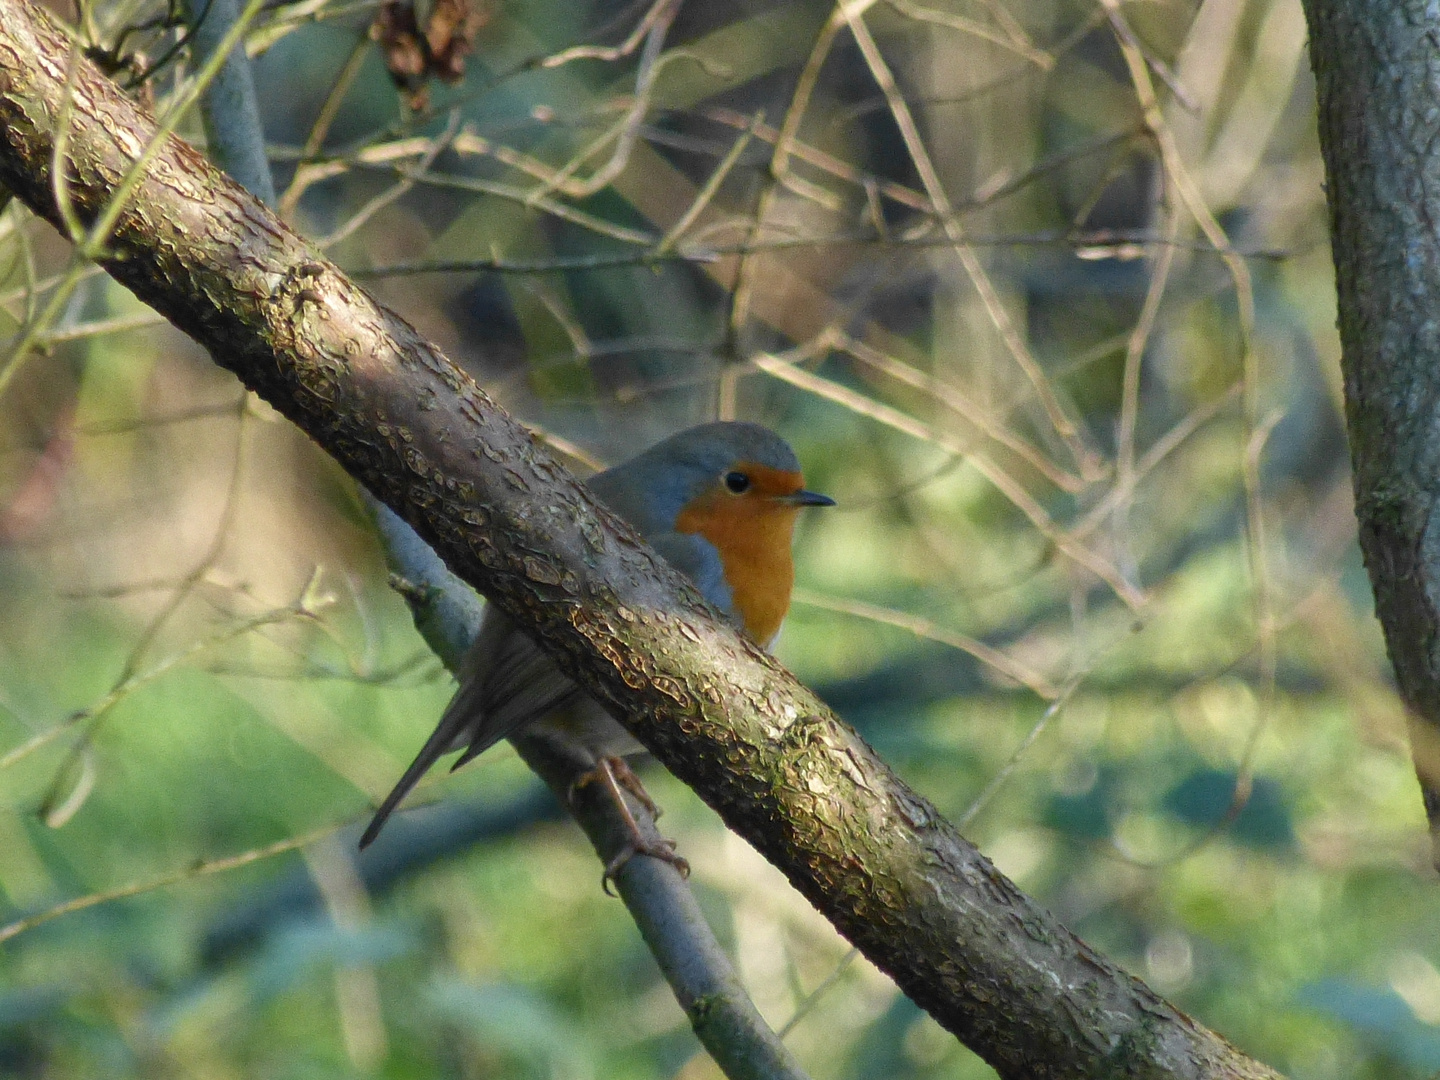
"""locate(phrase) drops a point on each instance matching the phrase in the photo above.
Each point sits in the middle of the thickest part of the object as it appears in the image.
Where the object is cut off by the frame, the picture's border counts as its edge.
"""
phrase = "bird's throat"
(752, 537)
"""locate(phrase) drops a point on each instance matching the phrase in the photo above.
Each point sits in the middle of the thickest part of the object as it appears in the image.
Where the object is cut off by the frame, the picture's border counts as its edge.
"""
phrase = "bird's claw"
(663, 849)
(615, 774)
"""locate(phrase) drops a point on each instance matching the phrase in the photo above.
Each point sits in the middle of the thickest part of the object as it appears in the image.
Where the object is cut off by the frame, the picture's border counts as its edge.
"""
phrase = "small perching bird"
(719, 503)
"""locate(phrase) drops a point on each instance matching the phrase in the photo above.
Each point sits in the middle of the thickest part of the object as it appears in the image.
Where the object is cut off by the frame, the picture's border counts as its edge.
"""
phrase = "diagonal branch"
(447, 612)
(897, 879)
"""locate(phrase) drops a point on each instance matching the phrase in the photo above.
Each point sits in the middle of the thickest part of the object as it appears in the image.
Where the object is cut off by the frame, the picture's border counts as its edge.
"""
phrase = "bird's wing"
(509, 682)
(697, 559)
(518, 684)
(506, 681)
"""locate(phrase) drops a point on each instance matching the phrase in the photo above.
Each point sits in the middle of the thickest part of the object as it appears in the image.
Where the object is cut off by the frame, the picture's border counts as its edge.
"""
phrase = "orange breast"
(753, 534)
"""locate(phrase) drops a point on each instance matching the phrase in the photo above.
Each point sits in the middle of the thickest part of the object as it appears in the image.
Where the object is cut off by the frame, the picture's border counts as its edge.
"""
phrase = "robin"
(719, 503)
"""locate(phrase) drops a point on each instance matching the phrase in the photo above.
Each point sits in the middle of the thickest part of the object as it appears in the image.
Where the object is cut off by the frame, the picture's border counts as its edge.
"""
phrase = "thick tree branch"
(1377, 71)
(895, 877)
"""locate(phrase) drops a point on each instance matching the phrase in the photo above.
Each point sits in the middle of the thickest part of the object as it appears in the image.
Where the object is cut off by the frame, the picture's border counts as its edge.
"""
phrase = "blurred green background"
(1092, 586)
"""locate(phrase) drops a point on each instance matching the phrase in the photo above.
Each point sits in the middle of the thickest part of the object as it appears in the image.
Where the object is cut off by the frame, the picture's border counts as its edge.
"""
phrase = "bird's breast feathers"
(752, 534)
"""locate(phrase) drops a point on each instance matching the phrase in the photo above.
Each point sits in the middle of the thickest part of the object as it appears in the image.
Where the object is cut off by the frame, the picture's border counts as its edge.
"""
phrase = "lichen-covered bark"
(895, 877)
(1377, 70)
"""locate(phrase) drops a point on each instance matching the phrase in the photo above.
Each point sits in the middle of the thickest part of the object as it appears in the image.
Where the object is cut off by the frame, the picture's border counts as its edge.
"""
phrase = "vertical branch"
(1380, 135)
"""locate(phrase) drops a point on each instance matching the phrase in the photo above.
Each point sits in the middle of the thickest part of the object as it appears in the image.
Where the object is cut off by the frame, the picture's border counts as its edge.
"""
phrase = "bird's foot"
(662, 849)
(616, 775)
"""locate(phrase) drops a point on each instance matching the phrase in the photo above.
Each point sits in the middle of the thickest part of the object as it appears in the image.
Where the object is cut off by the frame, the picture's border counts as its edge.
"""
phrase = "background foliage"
(1042, 295)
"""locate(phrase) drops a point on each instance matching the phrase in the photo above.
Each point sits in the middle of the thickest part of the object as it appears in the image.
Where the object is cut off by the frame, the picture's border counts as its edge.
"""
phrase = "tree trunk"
(1377, 70)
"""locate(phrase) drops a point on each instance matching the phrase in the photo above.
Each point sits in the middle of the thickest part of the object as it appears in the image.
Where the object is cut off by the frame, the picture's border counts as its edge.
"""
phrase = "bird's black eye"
(737, 483)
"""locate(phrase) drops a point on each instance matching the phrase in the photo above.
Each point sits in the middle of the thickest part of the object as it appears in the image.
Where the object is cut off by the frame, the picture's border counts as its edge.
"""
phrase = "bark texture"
(897, 879)
(1377, 70)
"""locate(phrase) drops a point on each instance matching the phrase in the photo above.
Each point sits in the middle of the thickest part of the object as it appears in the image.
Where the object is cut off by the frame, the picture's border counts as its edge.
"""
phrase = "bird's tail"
(447, 736)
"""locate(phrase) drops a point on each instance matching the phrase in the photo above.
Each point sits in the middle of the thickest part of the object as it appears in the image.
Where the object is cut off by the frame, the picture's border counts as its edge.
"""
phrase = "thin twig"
(626, 132)
(1014, 39)
(1064, 427)
(197, 870)
(94, 239)
(305, 175)
(1006, 485)
(1007, 666)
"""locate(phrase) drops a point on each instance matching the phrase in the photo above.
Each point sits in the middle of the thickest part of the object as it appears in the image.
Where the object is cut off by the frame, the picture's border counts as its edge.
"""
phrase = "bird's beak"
(807, 498)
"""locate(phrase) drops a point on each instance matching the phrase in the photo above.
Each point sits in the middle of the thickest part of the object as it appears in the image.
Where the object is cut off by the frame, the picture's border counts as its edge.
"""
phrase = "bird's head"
(721, 472)
(738, 487)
